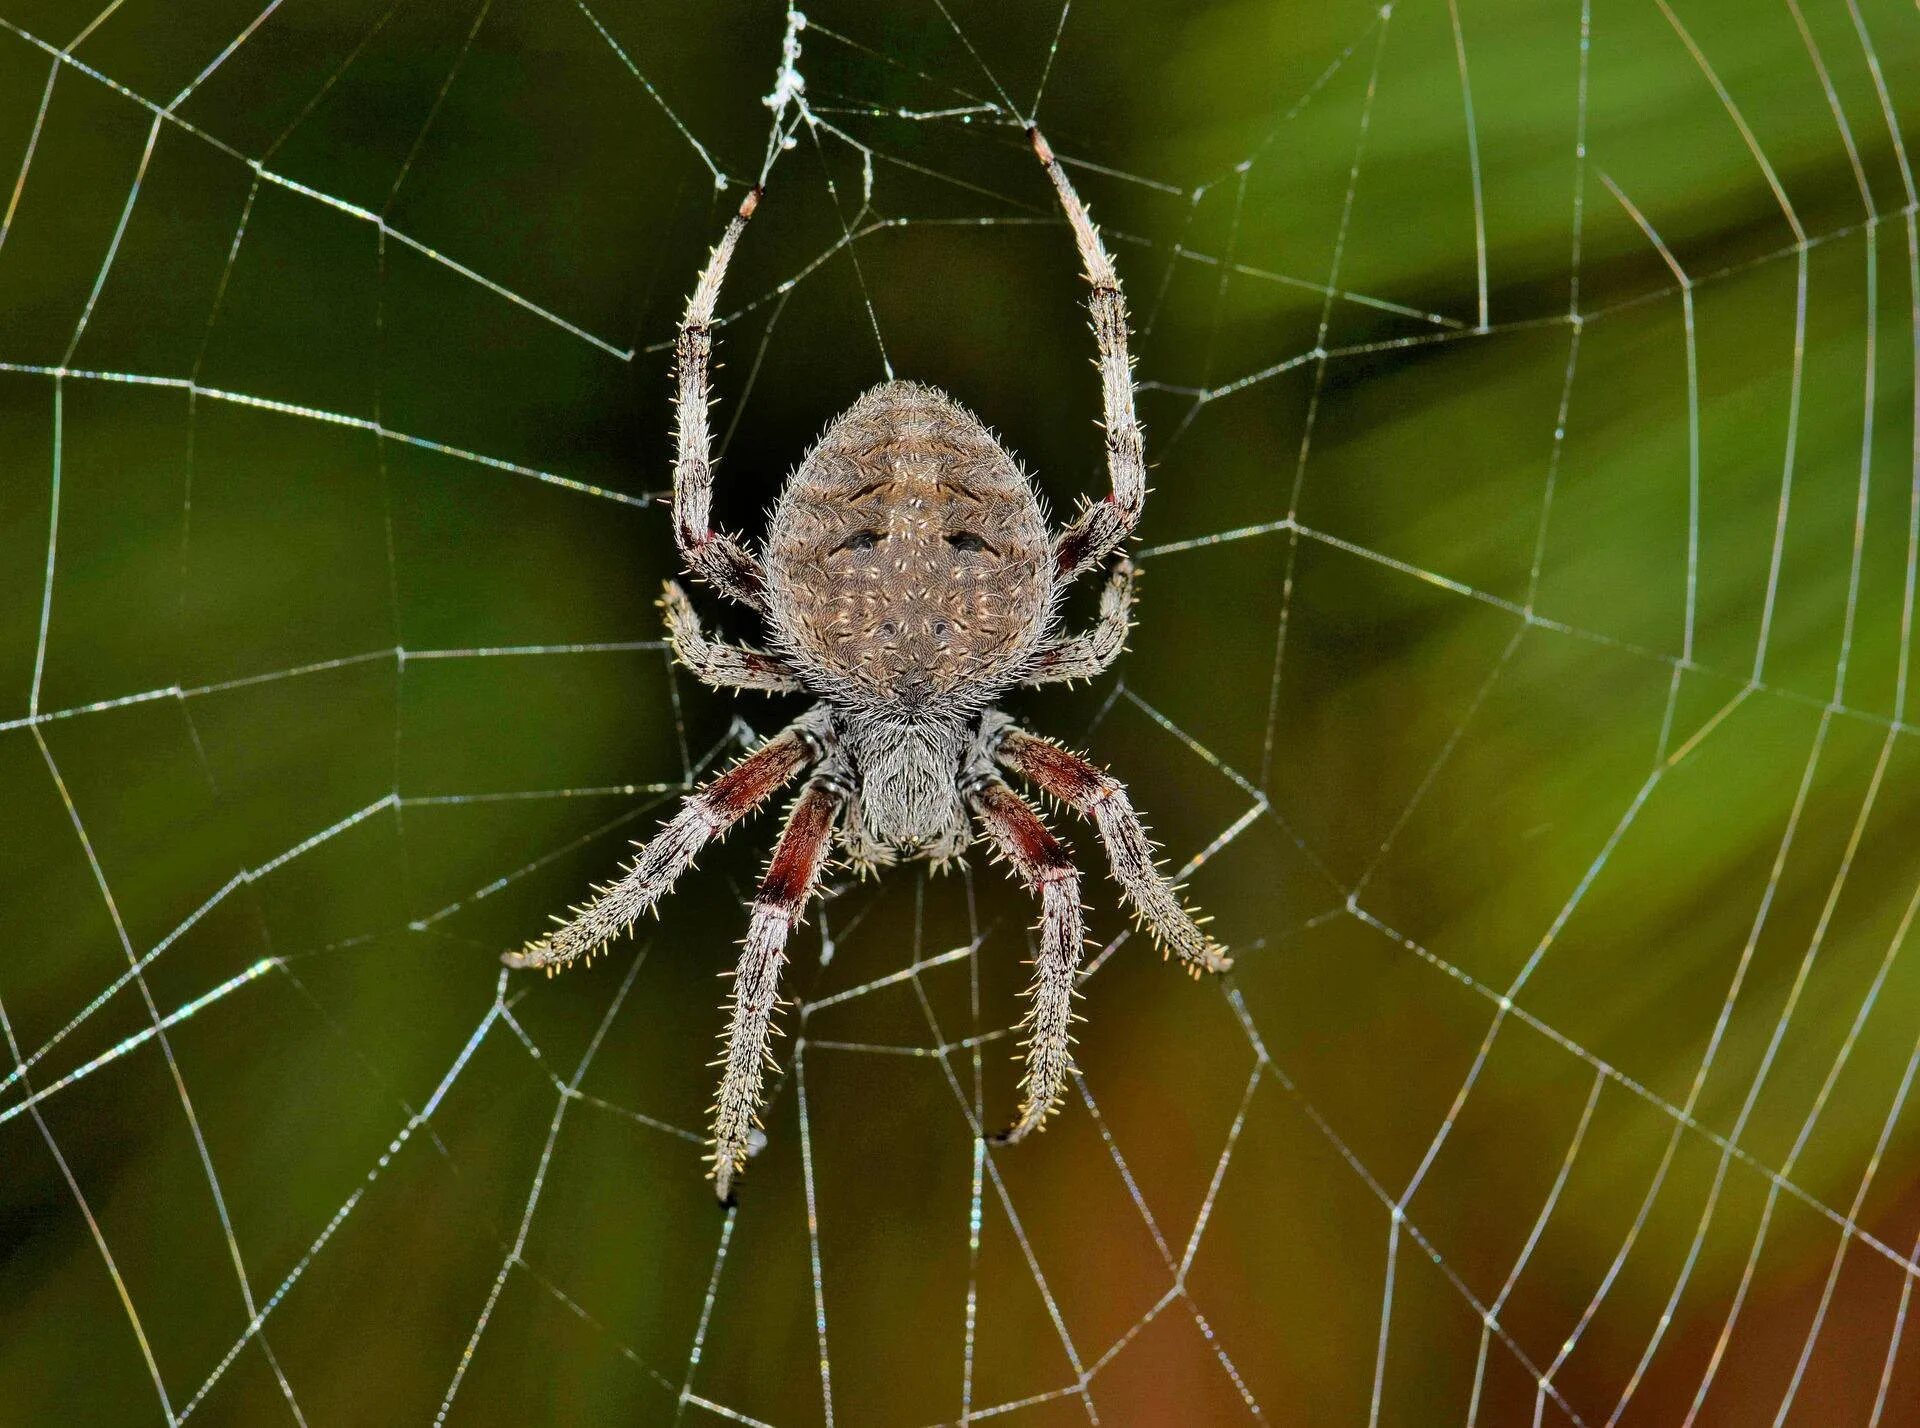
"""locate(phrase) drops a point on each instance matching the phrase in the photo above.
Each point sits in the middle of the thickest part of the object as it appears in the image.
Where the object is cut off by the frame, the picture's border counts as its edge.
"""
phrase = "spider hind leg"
(1102, 527)
(716, 557)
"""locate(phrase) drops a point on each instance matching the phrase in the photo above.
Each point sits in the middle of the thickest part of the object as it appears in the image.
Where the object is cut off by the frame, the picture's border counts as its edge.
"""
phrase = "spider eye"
(859, 540)
(967, 541)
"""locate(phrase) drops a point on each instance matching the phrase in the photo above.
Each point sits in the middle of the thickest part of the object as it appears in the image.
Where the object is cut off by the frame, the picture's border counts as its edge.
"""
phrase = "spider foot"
(1018, 1131)
(1211, 958)
(724, 1174)
(1033, 1117)
(1209, 962)
(1198, 953)
(1013, 1134)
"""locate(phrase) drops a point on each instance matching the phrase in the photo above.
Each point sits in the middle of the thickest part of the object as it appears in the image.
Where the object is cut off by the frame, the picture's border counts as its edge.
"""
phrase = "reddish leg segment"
(1041, 860)
(1103, 798)
(784, 892)
(671, 851)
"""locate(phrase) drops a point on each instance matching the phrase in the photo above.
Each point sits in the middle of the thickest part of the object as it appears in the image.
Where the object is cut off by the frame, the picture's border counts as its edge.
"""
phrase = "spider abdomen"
(908, 558)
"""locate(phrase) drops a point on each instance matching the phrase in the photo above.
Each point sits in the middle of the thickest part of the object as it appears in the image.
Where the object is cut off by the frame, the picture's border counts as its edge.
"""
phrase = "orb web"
(1522, 683)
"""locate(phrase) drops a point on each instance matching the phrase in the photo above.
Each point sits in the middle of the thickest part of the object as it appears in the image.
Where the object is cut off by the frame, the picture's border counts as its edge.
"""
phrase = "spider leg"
(715, 662)
(1085, 655)
(1102, 527)
(1042, 862)
(716, 557)
(705, 815)
(783, 896)
(1098, 795)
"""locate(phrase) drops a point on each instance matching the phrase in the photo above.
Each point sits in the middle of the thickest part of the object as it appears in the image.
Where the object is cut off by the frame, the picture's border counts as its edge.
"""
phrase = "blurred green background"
(1524, 654)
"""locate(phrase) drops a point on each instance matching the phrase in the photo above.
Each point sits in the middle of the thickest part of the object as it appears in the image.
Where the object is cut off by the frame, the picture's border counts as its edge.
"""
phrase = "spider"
(908, 579)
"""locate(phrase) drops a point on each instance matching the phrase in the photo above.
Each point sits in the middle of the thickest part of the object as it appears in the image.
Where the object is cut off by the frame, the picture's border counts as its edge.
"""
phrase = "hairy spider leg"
(1103, 526)
(1096, 794)
(670, 852)
(719, 559)
(715, 662)
(784, 892)
(1042, 863)
(1083, 656)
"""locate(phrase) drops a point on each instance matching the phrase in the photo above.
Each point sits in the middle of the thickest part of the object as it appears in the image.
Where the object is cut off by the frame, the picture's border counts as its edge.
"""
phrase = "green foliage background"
(1524, 734)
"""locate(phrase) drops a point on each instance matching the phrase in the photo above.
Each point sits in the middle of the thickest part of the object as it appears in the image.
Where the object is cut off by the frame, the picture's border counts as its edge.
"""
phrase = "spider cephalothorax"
(908, 579)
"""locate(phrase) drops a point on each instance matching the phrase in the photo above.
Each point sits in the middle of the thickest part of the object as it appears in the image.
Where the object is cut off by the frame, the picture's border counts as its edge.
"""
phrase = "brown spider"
(908, 580)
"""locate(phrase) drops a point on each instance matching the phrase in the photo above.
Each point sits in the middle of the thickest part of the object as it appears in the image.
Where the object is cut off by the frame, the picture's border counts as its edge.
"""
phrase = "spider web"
(1522, 682)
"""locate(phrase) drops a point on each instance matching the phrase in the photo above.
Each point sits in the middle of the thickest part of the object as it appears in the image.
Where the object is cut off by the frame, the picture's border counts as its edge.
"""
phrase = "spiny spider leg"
(1042, 862)
(782, 898)
(1100, 528)
(1085, 655)
(713, 555)
(705, 815)
(1103, 798)
(714, 662)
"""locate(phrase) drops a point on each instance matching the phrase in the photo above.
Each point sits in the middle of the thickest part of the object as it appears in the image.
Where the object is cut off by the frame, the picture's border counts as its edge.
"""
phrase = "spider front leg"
(783, 895)
(1084, 656)
(1042, 862)
(714, 662)
(671, 851)
(1102, 527)
(1098, 795)
(713, 555)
